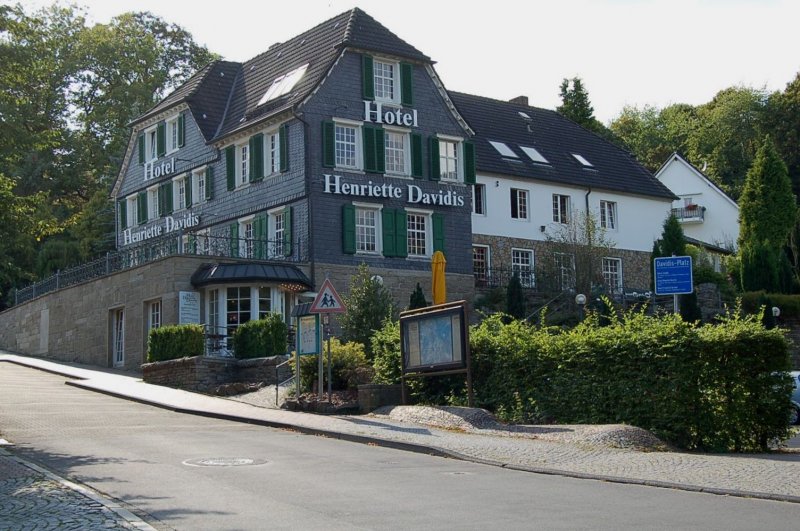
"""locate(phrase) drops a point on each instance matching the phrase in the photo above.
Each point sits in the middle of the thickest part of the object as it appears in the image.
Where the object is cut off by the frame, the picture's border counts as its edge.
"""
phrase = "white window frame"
(179, 185)
(243, 164)
(247, 243)
(458, 157)
(131, 211)
(476, 201)
(277, 228)
(526, 275)
(394, 79)
(609, 274)
(378, 227)
(152, 203)
(565, 269)
(151, 143)
(172, 135)
(272, 152)
(608, 215)
(521, 193)
(405, 151)
(198, 191)
(485, 274)
(358, 143)
(562, 213)
(154, 314)
(428, 216)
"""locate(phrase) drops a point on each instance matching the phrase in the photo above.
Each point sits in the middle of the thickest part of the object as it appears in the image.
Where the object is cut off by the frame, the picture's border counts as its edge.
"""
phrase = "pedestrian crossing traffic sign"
(327, 300)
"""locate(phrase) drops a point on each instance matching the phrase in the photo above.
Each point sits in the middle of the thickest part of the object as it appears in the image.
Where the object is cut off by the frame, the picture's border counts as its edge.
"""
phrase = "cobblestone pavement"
(32, 498)
(564, 450)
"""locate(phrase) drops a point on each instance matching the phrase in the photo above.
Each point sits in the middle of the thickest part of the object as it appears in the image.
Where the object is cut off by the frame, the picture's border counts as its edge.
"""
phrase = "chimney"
(520, 100)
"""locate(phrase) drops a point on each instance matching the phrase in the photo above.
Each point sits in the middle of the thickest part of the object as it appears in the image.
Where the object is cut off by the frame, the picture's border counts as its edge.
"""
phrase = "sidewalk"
(767, 476)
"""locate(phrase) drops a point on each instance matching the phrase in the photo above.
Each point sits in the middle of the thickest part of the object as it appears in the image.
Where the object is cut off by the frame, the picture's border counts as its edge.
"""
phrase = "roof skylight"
(534, 155)
(583, 161)
(503, 149)
(284, 84)
(525, 115)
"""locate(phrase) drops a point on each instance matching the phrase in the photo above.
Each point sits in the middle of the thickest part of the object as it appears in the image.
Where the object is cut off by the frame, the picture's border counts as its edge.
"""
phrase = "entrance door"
(118, 337)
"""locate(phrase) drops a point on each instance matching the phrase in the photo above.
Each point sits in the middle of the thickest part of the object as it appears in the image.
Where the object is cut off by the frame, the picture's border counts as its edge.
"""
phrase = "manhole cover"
(224, 461)
(459, 474)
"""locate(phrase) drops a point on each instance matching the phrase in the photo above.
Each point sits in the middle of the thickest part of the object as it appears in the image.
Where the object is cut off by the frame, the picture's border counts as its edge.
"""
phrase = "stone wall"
(204, 374)
(74, 324)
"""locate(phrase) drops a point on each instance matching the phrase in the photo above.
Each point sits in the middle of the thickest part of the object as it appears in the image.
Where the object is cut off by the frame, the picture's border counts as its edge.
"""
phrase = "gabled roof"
(318, 47)
(559, 140)
(206, 92)
(677, 157)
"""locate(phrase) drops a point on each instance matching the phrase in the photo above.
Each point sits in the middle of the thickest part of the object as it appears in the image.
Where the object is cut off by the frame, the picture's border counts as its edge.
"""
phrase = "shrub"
(350, 366)
(386, 352)
(788, 304)
(175, 341)
(261, 338)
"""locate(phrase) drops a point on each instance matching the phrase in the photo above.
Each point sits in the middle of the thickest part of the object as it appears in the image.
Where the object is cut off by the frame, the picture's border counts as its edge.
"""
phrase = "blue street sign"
(673, 275)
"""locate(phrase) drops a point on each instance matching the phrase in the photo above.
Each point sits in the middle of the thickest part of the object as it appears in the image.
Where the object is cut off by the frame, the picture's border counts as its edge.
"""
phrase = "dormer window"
(386, 82)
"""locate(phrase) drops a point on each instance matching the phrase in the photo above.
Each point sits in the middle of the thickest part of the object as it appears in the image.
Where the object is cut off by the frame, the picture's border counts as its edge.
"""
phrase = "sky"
(627, 52)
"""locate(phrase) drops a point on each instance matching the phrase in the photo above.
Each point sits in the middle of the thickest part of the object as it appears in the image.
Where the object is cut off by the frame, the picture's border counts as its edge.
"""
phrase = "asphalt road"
(142, 456)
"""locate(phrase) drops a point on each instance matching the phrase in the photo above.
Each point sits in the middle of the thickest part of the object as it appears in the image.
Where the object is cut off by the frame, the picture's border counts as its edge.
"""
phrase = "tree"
(577, 250)
(417, 299)
(767, 215)
(575, 105)
(783, 122)
(515, 298)
(368, 305)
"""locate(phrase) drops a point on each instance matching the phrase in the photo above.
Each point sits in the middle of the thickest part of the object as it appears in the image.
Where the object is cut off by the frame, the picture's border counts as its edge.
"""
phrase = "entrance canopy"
(289, 277)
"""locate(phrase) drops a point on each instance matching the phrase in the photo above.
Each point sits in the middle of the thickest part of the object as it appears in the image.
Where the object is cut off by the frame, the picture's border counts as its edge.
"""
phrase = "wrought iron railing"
(690, 213)
(189, 243)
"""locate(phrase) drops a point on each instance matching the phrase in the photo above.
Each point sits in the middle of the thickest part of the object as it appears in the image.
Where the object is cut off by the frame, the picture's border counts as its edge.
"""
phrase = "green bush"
(386, 352)
(175, 341)
(788, 304)
(712, 387)
(350, 366)
(261, 338)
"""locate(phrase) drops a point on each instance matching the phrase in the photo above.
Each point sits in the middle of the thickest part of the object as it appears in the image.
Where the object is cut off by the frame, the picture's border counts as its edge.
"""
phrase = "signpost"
(673, 276)
(327, 302)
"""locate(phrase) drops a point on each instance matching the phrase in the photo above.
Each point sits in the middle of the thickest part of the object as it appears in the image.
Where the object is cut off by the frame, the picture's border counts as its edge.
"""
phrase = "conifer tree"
(368, 305)
(515, 299)
(417, 299)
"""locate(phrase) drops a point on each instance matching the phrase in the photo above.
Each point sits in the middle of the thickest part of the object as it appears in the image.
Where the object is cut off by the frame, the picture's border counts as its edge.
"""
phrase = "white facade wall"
(639, 219)
(720, 226)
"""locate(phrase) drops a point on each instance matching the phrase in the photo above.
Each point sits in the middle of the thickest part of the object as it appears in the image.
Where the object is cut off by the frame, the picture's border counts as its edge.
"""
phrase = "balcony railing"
(693, 213)
(192, 244)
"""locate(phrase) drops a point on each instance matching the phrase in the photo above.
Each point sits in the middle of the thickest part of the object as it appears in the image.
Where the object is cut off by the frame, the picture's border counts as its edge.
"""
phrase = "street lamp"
(580, 300)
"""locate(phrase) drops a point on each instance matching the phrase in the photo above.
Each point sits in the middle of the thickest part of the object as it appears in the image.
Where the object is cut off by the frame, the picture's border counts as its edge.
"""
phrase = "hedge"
(261, 338)
(788, 304)
(174, 342)
(718, 387)
(350, 366)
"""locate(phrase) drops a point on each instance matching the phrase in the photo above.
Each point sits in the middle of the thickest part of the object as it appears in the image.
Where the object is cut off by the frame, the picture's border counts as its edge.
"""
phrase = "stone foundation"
(204, 374)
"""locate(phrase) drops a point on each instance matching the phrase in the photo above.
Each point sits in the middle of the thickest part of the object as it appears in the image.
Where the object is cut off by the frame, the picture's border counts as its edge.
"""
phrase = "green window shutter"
(123, 214)
(389, 232)
(260, 234)
(187, 183)
(257, 157)
(141, 148)
(141, 208)
(162, 200)
(438, 231)
(367, 78)
(328, 144)
(230, 166)
(161, 139)
(168, 206)
(348, 229)
(416, 155)
(234, 240)
(191, 244)
(209, 183)
(283, 139)
(181, 130)
(469, 163)
(287, 232)
(374, 149)
(406, 84)
(433, 153)
(401, 239)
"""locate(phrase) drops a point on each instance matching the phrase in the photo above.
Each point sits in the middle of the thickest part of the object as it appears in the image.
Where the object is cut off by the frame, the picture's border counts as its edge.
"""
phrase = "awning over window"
(288, 276)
